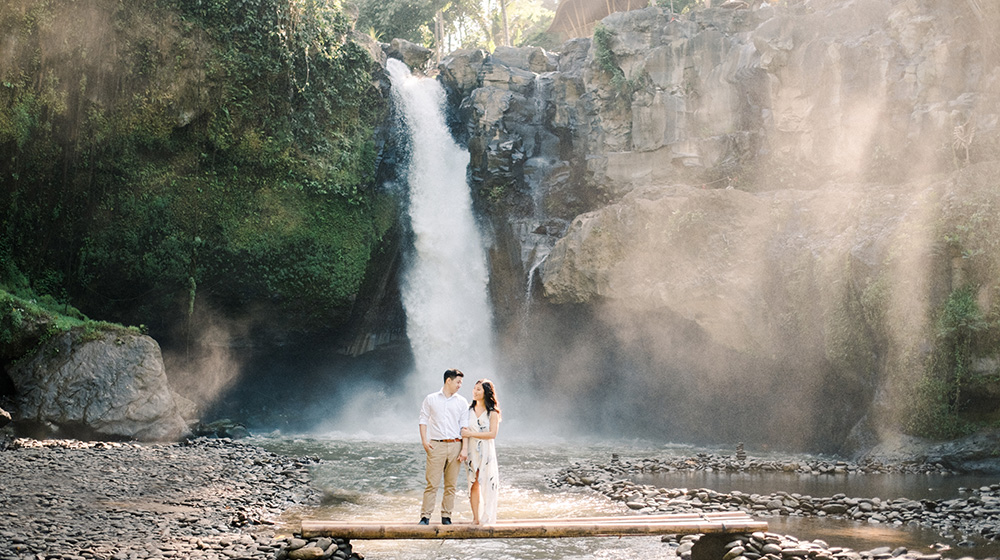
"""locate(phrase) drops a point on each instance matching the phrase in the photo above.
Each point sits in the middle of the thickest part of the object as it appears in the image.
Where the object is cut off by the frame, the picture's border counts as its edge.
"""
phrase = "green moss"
(950, 399)
(608, 62)
(27, 323)
(20, 315)
(234, 153)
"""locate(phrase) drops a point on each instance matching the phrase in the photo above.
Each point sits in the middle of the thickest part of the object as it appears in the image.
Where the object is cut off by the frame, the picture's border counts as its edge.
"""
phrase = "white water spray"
(448, 317)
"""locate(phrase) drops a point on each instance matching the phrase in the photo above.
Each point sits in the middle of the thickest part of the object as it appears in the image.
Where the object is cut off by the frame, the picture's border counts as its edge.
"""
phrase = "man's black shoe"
(424, 521)
(446, 521)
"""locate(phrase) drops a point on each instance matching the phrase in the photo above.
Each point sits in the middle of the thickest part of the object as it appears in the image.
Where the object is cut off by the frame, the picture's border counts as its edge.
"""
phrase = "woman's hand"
(466, 432)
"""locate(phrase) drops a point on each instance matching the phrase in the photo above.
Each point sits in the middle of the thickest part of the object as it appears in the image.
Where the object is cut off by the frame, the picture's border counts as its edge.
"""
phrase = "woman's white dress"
(483, 460)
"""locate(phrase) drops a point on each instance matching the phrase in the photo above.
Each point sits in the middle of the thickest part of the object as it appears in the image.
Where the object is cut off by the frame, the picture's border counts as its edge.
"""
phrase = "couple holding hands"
(455, 432)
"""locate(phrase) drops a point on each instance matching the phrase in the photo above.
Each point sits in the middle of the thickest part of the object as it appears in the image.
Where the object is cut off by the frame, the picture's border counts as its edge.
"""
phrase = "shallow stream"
(382, 480)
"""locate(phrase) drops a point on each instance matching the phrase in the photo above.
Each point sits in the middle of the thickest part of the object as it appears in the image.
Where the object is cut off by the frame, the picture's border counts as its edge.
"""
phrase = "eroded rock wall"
(747, 228)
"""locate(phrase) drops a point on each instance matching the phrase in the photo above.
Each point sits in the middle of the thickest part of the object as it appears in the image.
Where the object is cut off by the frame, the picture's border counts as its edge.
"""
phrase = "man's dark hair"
(452, 373)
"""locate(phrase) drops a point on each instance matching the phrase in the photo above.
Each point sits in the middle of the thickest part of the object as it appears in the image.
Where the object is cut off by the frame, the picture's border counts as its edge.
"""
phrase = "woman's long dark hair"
(489, 396)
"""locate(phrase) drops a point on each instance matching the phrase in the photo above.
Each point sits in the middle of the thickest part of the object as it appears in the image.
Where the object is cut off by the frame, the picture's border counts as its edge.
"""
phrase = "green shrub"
(608, 62)
(937, 400)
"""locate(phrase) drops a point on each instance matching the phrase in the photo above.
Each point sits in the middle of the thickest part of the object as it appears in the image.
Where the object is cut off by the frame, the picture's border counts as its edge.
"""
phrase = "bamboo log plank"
(537, 528)
(665, 517)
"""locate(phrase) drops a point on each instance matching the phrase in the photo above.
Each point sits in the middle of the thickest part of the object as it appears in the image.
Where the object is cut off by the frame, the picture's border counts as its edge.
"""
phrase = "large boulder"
(459, 71)
(532, 59)
(108, 385)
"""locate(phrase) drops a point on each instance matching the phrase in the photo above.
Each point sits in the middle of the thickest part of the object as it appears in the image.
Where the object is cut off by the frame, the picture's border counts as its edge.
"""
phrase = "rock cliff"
(751, 217)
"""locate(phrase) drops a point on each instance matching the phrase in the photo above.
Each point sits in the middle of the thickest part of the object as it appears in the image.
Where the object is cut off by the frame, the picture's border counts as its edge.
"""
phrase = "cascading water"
(448, 317)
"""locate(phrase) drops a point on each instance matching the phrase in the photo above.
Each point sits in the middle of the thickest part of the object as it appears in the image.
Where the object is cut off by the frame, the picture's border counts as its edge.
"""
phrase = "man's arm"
(423, 438)
(492, 434)
(425, 416)
(463, 424)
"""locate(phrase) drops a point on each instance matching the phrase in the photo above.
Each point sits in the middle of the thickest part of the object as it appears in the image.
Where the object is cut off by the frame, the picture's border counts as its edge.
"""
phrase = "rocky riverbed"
(206, 498)
(975, 513)
(219, 499)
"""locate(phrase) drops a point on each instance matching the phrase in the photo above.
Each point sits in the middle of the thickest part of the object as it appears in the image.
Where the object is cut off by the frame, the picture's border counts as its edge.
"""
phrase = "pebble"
(976, 513)
(220, 499)
(203, 498)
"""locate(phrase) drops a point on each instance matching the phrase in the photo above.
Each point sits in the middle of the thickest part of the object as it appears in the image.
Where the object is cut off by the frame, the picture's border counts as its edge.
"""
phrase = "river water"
(381, 479)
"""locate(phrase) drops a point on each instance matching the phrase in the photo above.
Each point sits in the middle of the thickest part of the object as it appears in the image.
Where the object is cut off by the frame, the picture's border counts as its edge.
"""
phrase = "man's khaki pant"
(442, 458)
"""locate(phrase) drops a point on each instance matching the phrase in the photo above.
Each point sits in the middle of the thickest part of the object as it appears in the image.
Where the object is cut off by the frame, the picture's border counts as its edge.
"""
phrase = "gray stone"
(734, 552)
(308, 552)
(413, 55)
(113, 385)
(460, 70)
(531, 59)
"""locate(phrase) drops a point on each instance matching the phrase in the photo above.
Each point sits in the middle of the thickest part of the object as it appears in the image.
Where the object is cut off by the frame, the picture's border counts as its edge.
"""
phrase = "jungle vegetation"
(160, 156)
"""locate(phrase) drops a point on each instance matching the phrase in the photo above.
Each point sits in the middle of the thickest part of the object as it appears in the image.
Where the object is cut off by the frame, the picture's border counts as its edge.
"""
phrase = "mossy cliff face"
(164, 161)
(760, 225)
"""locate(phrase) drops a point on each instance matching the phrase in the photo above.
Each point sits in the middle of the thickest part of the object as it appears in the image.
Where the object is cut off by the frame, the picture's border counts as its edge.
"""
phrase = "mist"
(207, 362)
(791, 303)
(755, 252)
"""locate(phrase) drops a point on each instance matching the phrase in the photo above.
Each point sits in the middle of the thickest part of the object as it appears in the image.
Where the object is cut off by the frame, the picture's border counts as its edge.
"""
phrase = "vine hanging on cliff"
(607, 61)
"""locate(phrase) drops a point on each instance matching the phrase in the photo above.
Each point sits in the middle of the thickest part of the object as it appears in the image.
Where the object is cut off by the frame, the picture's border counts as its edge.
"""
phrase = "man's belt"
(453, 440)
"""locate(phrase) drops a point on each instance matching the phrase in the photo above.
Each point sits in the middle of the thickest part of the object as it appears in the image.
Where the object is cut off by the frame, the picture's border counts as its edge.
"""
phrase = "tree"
(506, 27)
(399, 19)
(448, 25)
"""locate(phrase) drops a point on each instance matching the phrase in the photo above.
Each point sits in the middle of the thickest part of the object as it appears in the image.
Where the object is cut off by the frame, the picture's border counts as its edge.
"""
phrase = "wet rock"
(224, 428)
(976, 513)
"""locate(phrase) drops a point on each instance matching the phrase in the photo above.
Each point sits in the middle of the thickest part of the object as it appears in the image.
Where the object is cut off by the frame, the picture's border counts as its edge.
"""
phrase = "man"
(442, 417)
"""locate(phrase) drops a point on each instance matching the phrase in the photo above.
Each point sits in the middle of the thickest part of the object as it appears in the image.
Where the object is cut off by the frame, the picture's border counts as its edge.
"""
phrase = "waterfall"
(444, 287)
(444, 282)
(540, 257)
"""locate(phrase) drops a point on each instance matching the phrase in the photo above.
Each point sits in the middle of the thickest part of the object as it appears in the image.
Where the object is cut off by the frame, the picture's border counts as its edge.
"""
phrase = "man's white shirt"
(444, 416)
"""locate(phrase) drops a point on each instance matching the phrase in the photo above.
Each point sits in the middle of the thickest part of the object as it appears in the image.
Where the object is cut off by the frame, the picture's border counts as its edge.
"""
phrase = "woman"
(484, 478)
